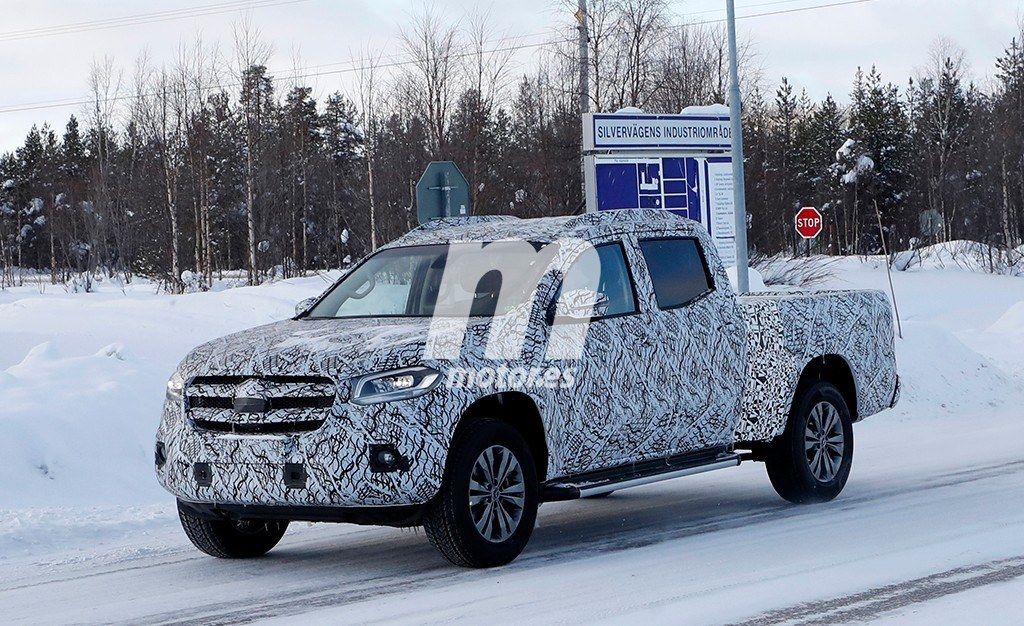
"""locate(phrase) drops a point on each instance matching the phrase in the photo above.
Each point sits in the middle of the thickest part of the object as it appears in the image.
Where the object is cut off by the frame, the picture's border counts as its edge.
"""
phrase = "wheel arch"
(519, 411)
(834, 369)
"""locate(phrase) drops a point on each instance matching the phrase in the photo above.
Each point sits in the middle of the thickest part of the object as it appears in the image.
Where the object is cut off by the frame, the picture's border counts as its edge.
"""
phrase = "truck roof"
(506, 227)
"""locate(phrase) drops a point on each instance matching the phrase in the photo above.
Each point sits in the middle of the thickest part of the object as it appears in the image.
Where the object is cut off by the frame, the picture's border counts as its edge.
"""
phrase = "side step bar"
(636, 474)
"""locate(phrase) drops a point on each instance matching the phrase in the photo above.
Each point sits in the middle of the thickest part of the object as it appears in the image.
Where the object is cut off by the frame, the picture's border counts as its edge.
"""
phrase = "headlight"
(174, 388)
(400, 384)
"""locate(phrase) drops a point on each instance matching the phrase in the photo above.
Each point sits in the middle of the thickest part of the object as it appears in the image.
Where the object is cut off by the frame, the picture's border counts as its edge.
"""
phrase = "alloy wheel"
(824, 442)
(497, 493)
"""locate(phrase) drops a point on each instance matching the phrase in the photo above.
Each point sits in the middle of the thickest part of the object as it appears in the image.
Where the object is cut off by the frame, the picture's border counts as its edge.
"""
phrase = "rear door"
(697, 363)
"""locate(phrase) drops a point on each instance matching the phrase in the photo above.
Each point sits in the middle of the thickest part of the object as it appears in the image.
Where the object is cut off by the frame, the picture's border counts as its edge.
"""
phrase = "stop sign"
(808, 222)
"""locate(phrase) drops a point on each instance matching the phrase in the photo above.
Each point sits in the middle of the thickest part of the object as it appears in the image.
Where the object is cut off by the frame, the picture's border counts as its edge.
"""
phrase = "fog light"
(386, 458)
(203, 474)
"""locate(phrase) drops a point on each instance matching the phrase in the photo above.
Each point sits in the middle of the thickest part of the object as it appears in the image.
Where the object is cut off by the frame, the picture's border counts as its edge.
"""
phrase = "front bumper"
(328, 467)
(401, 516)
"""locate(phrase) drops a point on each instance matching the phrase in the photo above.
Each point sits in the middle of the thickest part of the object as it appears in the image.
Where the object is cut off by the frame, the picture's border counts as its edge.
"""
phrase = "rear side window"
(678, 271)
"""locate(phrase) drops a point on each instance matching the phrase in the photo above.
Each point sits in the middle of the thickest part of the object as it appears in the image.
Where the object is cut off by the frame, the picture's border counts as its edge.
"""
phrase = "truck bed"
(787, 331)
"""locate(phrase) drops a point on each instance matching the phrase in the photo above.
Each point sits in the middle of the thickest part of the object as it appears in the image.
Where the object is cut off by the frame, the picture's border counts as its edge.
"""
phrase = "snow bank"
(971, 256)
(82, 380)
(941, 376)
(754, 278)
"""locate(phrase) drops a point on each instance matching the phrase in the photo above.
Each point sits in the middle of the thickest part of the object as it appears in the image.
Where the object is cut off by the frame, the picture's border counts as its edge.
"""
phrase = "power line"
(780, 12)
(299, 74)
(746, 6)
(141, 18)
(355, 65)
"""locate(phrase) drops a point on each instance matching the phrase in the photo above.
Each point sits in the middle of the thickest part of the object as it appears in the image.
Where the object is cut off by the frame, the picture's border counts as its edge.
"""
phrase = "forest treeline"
(212, 162)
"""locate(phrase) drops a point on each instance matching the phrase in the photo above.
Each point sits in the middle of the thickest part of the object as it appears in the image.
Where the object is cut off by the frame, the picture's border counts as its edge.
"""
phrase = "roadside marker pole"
(738, 187)
(888, 271)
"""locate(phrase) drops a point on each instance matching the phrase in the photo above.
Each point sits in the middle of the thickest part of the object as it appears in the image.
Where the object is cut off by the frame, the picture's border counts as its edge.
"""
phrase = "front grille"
(260, 404)
(259, 428)
(273, 404)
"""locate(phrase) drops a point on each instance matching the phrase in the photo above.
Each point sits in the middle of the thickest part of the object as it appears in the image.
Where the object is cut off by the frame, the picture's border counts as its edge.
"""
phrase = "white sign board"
(678, 163)
(639, 131)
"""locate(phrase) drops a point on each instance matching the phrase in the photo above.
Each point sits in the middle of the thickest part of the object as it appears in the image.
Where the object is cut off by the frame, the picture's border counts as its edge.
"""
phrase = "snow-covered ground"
(930, 527)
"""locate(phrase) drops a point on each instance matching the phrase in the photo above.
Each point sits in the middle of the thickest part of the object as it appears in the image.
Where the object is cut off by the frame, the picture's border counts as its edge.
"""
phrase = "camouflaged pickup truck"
(467, 372)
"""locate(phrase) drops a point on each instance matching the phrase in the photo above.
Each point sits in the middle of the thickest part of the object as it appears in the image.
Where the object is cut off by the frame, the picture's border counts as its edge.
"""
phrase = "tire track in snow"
(872, 603)
(606, 538)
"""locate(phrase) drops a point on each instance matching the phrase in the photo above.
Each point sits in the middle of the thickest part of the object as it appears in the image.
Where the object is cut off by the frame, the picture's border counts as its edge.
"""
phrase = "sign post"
(739, 189)
(808, 222)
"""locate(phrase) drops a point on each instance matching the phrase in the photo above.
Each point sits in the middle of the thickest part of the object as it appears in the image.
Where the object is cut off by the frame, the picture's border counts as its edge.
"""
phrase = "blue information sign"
(671, 183)
(695, 187)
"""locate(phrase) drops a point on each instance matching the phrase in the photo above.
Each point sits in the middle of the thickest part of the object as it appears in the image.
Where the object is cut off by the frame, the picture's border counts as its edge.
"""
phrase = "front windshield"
(440, 279)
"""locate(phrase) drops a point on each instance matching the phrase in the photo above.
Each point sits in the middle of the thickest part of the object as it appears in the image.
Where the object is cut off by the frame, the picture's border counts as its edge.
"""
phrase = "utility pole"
(584, 36)
(738, 187)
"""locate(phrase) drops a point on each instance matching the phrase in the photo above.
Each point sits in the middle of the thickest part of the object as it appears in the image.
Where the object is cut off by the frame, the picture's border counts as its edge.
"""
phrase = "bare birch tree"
(250, 52)
(430, 43)
(367, 87)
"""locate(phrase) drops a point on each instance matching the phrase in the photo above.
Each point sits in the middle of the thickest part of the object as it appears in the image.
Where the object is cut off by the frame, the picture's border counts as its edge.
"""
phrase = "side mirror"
(304, 305)
(580, 305)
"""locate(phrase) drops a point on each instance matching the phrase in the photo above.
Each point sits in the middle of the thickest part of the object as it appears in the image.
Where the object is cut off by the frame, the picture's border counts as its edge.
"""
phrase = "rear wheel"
(487, 507)
(811, 461)
(231, 539)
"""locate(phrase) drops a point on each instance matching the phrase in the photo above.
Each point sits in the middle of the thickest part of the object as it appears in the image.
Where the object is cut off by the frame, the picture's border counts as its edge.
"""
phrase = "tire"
(489, 527)
(811, 461)
(231, 539)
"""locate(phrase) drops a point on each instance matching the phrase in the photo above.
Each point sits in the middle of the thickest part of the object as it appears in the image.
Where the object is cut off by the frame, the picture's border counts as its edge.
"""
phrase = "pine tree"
(875, 167)
(817, 141)
(785, 126)
(343, 144)
(1008, 131)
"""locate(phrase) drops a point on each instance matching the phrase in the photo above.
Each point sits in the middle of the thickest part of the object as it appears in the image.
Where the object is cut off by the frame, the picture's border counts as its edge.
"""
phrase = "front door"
(598, 420)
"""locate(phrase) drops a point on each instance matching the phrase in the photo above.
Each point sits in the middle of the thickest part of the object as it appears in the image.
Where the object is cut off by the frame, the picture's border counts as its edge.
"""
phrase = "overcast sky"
(817, 50)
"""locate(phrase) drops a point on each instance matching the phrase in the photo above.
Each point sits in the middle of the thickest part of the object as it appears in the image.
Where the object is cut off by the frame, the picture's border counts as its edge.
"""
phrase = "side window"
(614, 281)
(678, 270)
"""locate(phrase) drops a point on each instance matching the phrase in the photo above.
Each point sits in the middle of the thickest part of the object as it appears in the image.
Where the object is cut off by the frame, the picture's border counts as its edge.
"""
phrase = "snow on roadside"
(82, 377)
(963, 334)
(965, 255)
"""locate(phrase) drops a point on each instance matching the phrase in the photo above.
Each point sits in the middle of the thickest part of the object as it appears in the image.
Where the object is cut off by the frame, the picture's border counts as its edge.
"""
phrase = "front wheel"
(231, 539)
(487, 507)
(811, 461)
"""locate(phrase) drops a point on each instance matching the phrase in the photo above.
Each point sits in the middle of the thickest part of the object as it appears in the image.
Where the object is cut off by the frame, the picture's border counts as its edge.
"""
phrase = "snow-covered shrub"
(780, 269)
(191, 282)
(80, 283)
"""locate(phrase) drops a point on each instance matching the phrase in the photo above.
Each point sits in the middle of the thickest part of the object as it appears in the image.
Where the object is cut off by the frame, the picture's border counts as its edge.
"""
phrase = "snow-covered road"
(912, 529)
(930, 528)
